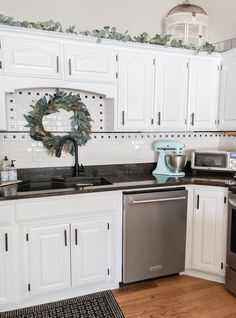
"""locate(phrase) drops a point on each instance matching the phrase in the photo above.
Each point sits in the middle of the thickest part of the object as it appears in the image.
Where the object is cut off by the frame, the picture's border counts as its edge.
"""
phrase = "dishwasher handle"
(157, 200)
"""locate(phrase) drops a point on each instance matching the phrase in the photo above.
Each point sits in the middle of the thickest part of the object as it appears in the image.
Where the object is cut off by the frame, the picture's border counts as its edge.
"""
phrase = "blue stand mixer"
(170, 160)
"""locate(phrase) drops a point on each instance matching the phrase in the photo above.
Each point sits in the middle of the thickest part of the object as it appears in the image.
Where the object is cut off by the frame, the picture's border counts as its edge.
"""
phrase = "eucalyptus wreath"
(80, 121)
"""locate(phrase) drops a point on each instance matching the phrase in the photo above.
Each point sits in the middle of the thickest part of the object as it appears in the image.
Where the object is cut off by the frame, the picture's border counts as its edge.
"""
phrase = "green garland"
(108, 33)
(80, 121)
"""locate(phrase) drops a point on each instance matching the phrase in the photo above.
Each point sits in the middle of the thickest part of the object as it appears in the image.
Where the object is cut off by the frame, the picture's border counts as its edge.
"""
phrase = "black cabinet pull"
(76, 237)
(159, 118)
(57, 61)
(70, 69)
(6, 242)
(65, 237)
(192, 119)
(198, 202)
(123, 118)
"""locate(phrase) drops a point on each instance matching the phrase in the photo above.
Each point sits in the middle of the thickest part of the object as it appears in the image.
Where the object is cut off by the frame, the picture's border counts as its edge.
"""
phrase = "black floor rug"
(98, 305)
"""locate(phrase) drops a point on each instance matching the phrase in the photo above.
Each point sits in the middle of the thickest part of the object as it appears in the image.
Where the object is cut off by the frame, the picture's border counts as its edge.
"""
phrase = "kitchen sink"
(80, 181)
(62, 183)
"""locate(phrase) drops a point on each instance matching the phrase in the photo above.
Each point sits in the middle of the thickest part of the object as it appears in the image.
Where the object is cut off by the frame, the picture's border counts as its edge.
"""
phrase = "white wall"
(135, 16)
(222, 22)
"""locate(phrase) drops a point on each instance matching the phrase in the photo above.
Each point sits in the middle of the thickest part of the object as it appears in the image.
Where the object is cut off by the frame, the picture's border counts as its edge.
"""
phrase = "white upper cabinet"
(34, 57)
(49, 258)
(227, 108)
(89, 248)
(209, 231)
(90, 63)
(171, 92)
(136, 72)
(151, 89)
(203, 93)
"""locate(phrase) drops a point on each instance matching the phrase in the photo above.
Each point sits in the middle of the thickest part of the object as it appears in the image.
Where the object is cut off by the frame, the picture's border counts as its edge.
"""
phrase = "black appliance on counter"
(230, 279)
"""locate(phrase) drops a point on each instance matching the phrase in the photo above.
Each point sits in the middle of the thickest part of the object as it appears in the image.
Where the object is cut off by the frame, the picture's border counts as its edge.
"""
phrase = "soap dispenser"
(12, 172)
(4, 172)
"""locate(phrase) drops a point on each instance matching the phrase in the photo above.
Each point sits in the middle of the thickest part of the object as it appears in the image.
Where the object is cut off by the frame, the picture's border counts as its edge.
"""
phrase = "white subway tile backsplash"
(103, 148)
(18, 104)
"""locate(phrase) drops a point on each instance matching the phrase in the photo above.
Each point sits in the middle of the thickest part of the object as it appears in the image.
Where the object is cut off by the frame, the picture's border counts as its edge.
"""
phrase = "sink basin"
(81, 181)
(62, 183)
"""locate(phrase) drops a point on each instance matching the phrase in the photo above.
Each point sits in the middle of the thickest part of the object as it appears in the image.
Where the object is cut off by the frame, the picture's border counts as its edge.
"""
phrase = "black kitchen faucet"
(58, 153)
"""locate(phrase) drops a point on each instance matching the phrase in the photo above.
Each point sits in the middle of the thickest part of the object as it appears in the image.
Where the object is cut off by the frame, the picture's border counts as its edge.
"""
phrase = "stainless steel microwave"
(213, 160)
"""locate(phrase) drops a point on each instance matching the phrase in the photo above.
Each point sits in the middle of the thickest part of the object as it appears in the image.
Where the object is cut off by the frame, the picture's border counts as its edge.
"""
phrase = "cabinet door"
(27, 56)
(90, 64)
(227, 109)
(49, 258)
(89, 248)
(135, 90)
(209, 237)
(6, 266)
(203, 93)
(171, 92)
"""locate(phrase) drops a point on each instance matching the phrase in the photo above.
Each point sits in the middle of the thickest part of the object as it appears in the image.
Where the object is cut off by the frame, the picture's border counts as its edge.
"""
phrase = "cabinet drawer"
(6, 213)
(65, 206)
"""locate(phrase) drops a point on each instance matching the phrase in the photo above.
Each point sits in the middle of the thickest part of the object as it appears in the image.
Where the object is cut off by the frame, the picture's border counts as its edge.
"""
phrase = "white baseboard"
(202, 275)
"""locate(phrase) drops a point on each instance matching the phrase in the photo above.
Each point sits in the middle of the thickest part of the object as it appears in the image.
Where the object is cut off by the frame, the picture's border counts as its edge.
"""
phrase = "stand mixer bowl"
(176, 162)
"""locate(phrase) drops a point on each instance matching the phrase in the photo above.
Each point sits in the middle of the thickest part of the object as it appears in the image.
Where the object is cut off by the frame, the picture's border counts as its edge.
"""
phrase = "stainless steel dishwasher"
(154, 233)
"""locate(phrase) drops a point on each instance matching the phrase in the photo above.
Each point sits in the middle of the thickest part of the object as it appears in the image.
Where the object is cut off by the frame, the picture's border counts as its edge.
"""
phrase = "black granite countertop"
(123, 181)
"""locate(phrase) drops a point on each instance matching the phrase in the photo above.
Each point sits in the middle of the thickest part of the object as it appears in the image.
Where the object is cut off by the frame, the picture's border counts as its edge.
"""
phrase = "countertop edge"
(120, 186)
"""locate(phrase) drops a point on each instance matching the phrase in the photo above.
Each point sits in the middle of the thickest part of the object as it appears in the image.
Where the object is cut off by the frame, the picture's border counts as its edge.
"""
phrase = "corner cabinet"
(171, 92)
(136, 72)
(203, 98)
(206, 232)
(24, 56)
(227, 108)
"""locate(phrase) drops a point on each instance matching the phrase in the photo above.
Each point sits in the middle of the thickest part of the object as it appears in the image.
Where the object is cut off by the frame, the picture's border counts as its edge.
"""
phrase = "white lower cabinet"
(49, 258)
(6, 266)
(66, 246)
(71, 245)
(68, 255)
(90, 251)
(65, 255)
(206, 233)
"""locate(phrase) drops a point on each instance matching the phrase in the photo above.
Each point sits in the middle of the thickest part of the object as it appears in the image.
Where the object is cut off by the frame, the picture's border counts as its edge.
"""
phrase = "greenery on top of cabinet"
(107, 33)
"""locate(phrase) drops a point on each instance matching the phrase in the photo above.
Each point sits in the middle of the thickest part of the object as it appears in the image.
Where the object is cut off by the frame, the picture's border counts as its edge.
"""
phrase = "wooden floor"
(176, 297)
